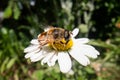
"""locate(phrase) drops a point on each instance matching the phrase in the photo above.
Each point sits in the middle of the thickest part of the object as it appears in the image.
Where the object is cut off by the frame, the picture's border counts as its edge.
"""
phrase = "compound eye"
(66, 35)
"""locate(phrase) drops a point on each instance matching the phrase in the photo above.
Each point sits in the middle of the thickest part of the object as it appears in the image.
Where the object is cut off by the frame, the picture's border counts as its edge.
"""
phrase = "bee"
(56, 37)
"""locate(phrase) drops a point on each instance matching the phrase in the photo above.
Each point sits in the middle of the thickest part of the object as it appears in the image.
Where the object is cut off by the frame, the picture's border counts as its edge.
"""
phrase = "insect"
(58, 38)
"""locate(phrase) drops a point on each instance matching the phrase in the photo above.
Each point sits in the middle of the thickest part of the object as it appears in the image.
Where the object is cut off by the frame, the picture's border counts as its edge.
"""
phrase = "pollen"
(62, 45)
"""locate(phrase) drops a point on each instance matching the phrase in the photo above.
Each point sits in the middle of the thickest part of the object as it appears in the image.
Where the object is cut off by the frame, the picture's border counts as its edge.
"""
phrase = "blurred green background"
(23, 20)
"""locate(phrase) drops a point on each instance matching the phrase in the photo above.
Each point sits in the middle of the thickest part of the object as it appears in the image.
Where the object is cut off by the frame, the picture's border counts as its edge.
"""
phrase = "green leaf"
(3, 66)
(89, 70)
(0, 55)
(16, 12)
(1, 77)
(83, 28)
(38, 74)
(4, 31)
(10, 63)
(8, 12)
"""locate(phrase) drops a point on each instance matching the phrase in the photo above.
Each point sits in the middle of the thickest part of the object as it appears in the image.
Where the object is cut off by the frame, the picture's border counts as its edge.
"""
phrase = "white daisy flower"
(76, 48)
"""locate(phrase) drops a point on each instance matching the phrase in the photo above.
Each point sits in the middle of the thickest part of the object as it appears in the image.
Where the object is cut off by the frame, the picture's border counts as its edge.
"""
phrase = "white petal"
(47, 58)
(80, 57)
(64, 62)
(43, 53)
(88, 51)
(75, 32)
(81, 40)
(53, 60)
(34, 41)
(31, 48)
(31, 53)
(37, 57)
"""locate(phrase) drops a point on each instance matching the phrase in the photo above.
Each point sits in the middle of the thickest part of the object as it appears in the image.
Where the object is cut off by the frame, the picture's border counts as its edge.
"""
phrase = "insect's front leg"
(42, 43)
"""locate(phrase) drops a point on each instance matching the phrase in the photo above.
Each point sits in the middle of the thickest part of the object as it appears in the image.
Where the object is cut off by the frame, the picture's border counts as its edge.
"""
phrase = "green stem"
(61, 76)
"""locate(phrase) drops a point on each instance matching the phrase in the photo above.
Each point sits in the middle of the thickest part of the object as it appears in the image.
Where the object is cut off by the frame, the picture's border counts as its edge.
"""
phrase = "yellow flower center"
(62, 45)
